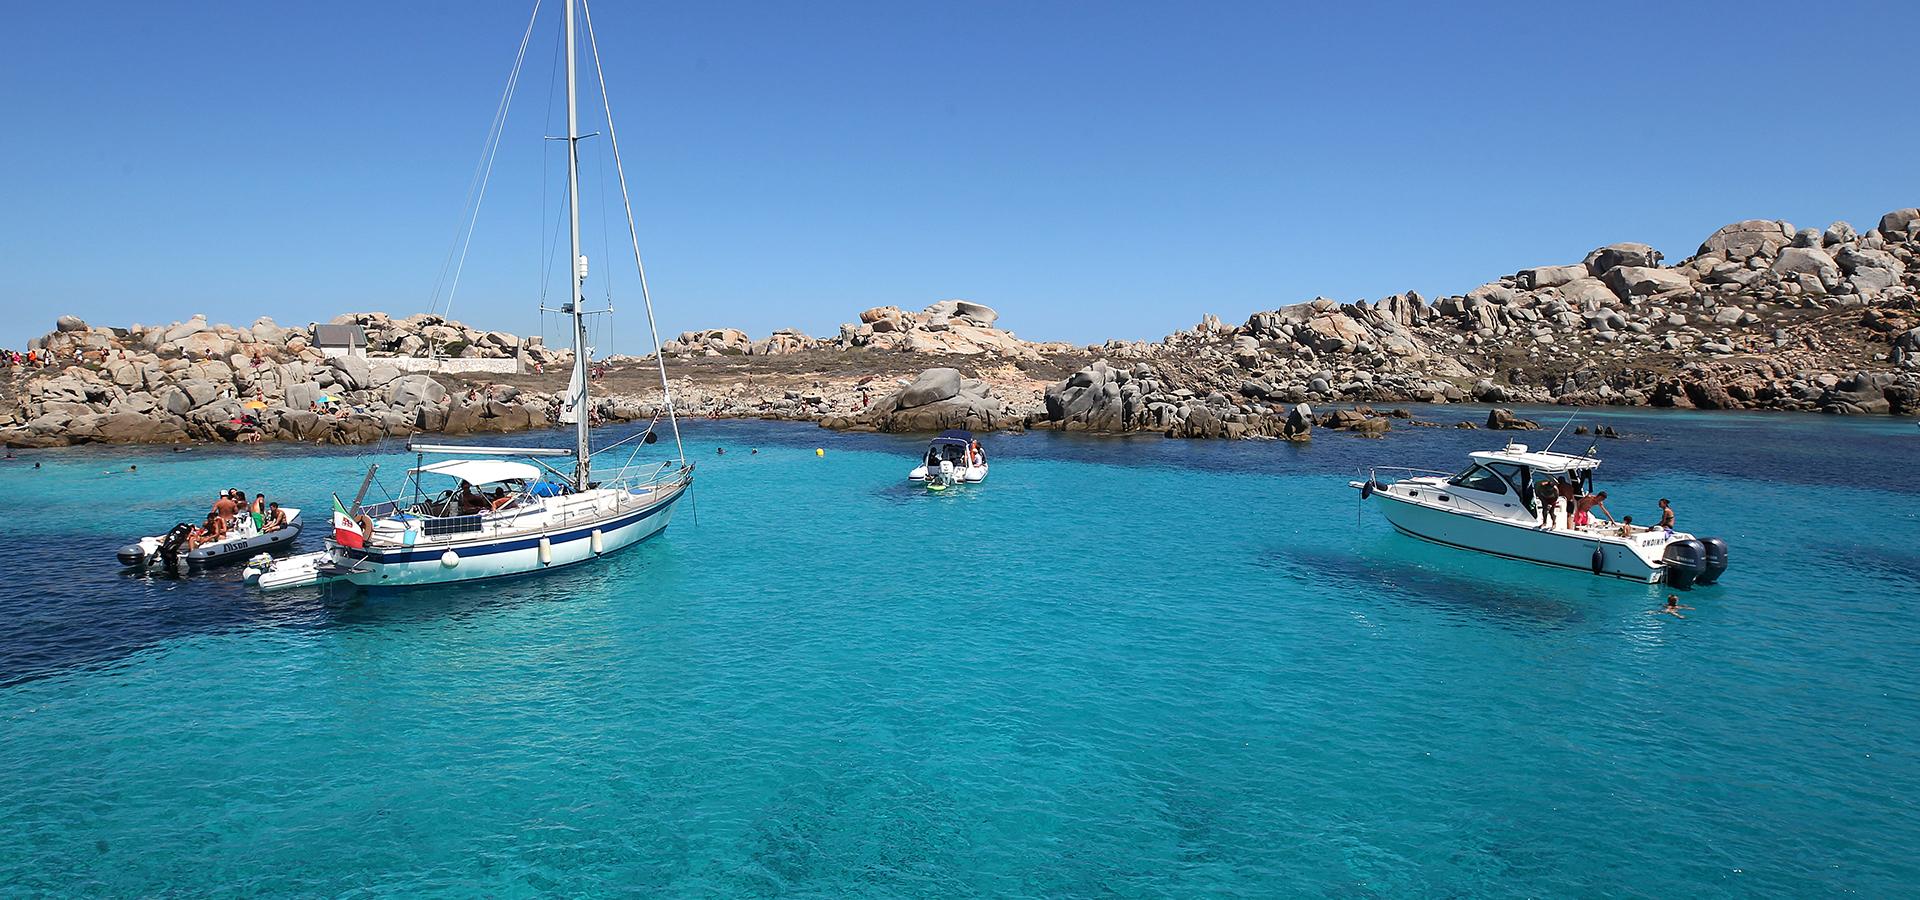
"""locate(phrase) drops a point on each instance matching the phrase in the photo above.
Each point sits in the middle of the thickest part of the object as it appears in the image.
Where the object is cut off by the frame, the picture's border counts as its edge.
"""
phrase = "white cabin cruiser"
(954, 457)
(1492, 508)
(488, 517)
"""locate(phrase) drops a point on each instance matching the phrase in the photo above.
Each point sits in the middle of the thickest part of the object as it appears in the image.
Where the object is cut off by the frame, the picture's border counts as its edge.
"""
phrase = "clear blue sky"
(1092, 170)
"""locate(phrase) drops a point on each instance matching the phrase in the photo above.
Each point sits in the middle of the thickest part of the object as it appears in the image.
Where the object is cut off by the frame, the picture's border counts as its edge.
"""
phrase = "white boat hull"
(1635, 558)
(968, 475)
(449, 563)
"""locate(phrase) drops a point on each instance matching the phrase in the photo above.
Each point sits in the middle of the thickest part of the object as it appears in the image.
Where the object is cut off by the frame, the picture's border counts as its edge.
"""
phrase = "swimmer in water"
(1672, 608)
(719, 451)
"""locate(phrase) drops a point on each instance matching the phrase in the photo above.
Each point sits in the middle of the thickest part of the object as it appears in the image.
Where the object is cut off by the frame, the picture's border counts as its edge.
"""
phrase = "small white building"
(340, 340)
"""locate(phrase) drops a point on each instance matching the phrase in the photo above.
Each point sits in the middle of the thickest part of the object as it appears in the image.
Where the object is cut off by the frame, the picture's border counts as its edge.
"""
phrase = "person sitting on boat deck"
(1626, 527)
(276, 517)
(1548, 497)
(500, 498)
(214, 529)
(1666, 515)
(1584, 507)
(470, 500)
(1672, 608)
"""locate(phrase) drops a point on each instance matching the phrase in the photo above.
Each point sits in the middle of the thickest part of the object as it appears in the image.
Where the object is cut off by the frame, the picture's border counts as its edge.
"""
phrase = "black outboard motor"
(174, 544)
(1715, 562)
(1685, 561)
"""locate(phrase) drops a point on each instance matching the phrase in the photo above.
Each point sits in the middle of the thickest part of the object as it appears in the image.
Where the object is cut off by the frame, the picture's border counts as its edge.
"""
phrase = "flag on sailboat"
(346, 532)
(576, 394)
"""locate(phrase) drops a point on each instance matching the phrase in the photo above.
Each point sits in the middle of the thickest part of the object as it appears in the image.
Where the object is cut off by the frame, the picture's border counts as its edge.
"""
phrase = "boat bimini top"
(482, 471)
(1542, 462)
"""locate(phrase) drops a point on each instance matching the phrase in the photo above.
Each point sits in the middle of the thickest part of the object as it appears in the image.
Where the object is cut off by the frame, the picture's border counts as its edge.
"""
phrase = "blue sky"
(1092, 170)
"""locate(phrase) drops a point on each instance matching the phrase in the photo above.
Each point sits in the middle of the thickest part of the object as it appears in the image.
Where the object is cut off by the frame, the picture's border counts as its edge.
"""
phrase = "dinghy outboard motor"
(1715, 562)
(1685, 561)
(174, 545)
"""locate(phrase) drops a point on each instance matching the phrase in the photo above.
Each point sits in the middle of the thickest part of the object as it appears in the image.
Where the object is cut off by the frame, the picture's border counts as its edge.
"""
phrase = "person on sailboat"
(471, 501)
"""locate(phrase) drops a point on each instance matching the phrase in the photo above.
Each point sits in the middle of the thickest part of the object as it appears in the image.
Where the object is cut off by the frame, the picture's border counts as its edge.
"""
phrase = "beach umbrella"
(326, 398)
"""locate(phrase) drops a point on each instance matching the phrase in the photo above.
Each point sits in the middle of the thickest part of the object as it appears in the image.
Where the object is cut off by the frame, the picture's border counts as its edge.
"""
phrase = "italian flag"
(345, 532)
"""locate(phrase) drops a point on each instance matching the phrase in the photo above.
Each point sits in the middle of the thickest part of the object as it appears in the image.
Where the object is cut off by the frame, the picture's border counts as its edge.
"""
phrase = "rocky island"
(1763, 315)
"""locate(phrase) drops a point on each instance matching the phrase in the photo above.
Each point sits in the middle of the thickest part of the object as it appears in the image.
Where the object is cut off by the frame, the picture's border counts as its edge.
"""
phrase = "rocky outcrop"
(939, 399)
(946, 328)
(200, 381)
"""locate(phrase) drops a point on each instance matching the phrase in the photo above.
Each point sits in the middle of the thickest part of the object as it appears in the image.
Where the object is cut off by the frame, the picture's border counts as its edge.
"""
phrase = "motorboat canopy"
(1542, 462)
(482, 471)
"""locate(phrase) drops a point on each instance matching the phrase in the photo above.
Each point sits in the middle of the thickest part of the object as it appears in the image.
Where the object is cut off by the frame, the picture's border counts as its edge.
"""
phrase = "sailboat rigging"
(496, 517)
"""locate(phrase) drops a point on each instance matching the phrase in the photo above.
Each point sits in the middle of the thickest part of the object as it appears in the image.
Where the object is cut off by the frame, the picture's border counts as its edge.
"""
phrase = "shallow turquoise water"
(1129, 667)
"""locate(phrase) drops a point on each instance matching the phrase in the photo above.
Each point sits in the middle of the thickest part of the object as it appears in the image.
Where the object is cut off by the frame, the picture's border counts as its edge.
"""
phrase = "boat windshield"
(1493, 478)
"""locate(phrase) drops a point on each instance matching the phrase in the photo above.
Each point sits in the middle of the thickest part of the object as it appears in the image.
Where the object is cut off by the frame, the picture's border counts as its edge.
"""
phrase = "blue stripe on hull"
(396, 557)
(543, 570)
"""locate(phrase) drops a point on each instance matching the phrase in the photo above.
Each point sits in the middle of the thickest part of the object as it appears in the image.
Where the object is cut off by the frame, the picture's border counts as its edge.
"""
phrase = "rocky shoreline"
(1761, 316)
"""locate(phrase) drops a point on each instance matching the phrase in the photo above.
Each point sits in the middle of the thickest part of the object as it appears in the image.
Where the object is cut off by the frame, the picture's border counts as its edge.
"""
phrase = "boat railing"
(1372, 472)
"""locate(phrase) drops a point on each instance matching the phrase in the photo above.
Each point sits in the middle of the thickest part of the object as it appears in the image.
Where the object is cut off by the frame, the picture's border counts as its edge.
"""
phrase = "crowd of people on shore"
(233, 515)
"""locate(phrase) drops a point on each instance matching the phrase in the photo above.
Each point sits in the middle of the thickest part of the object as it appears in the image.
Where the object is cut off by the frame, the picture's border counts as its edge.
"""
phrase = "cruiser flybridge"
(1494, 506)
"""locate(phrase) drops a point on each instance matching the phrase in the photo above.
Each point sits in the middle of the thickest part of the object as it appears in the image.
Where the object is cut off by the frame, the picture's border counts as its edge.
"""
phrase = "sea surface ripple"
(1133, 667)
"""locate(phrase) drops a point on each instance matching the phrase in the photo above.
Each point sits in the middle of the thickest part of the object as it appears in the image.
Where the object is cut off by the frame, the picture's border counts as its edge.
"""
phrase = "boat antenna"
(578, 268)
(633, 233)
(1563, 430)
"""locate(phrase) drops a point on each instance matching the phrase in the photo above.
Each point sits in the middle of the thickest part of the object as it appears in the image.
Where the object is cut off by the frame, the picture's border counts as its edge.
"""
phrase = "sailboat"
(489, 512)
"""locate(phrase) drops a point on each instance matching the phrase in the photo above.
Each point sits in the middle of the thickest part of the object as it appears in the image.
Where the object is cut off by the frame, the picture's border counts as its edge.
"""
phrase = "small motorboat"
(1492, 508)
(954, 457)
(174, 550)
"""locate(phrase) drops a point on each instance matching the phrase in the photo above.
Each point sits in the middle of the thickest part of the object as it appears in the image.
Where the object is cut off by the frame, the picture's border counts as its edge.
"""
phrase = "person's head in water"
(133, 468)
(1673, 600)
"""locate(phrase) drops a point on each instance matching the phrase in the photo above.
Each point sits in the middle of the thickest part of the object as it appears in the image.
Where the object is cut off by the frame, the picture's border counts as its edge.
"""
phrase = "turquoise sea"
(1123, 667)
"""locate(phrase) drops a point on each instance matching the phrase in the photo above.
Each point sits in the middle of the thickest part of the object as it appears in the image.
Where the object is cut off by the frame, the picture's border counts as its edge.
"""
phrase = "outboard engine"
(1685, 561)
(1715, 562)
(946, 475)
(174, 544)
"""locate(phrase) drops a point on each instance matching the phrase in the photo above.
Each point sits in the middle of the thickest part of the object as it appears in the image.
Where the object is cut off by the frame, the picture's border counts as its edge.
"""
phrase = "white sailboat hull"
(518, 553)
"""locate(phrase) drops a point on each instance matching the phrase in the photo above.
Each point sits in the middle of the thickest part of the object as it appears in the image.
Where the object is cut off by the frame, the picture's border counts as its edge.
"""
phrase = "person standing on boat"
(1569, 495)
(1547, 496)
(1584, 507)
(258, 510)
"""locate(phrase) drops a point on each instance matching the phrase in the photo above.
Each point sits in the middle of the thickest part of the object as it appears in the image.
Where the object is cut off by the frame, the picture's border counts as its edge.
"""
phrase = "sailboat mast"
(583, 419)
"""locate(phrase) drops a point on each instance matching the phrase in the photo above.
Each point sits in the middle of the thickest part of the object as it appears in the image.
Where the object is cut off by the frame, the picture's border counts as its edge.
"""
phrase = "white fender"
(449, 559)
(599, 541)
(546, 552)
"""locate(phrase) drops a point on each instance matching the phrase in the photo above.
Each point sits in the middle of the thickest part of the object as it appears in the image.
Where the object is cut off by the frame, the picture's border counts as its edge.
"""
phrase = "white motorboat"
(1491, 508)
(465, 519)
(954, 457)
